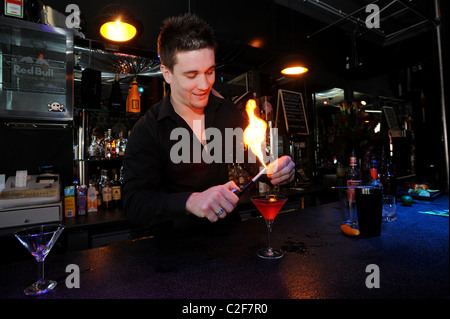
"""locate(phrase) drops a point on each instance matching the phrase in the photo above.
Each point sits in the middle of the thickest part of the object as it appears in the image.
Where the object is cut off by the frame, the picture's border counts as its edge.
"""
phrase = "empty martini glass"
(269, 206)
(39, 240)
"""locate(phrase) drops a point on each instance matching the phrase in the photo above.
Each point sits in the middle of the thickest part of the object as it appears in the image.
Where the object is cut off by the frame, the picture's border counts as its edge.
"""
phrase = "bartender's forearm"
(147, 208)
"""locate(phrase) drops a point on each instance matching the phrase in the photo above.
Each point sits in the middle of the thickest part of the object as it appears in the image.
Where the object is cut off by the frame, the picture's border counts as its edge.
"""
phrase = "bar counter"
(220, 262)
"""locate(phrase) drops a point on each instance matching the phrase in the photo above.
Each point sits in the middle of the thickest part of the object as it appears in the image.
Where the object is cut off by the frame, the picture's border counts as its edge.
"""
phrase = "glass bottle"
(81, 192)
(110, 145)
(97, 148)
(375, 179)
(242, 178)
(373, 168)
(133, 98)
(230, 171)
(388, 180)
(353, 178)
(93, 147)
(115, 98)
(116, 190)
(92, 198)
(121, 176)
(257, 109)
(377, 182)
(106, 189)
(121, 144)
(98, 189)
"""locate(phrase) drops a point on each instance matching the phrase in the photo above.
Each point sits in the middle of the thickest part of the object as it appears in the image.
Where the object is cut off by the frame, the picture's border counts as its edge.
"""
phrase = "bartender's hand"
(214, 200)
(281, 171)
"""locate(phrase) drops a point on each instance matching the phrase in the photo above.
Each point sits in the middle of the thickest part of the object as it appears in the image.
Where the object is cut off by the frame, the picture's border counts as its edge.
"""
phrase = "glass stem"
(269, 223)
(40, 271)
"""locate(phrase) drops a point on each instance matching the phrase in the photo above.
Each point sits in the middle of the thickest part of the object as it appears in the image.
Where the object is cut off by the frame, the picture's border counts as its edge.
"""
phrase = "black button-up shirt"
(156, 185)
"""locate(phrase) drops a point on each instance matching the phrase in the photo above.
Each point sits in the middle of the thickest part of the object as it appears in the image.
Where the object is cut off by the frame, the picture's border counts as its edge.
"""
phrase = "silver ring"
(220, 212)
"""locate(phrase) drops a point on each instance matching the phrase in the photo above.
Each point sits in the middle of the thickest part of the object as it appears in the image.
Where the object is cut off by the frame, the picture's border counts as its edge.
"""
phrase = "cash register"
(30, 199)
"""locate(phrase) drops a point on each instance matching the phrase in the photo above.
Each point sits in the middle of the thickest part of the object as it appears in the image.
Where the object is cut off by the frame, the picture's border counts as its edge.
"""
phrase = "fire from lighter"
(254, 138)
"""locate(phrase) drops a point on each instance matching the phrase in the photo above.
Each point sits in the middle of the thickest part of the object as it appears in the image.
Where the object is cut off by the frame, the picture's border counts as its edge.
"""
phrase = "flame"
(255, 132)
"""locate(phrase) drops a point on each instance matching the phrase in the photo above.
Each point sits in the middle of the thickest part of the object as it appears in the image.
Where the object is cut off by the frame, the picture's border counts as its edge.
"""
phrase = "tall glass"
(348, 206)
(269, 206)
(39, 240)
(369, 207)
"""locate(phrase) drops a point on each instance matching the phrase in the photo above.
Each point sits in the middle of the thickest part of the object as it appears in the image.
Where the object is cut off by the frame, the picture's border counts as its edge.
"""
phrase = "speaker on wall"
(91, 89)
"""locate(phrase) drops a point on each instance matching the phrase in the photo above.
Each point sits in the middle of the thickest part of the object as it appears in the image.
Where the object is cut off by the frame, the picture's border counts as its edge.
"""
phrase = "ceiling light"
(117, 24)
(293, 65)
(118, 31)
(294, 70)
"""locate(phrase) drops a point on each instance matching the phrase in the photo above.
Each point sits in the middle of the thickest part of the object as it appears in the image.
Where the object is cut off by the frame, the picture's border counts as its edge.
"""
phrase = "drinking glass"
(269, 206)
(348, 206)
(369, 207)
(39, 240)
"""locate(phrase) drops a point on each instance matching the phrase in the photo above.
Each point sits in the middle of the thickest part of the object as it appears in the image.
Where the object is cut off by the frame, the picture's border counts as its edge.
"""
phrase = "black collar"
(167, 109)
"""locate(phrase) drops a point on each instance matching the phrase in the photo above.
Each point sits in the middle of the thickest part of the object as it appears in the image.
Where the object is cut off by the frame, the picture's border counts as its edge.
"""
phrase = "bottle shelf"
(127, 115)
(104, 160)
(80, 109)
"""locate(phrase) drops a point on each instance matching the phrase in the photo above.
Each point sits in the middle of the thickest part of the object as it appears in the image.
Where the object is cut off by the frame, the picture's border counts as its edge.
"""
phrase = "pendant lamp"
(117, 24)
(293, 65)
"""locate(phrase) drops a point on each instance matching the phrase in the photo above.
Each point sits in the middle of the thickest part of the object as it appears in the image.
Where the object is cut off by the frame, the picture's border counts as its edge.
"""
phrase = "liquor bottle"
(115, 98)
(81, 191)
(121, 176)
(373, 168)
(257, 111)
(99, 186)
(91, 198)
(353, 178)
(110, 145)
(106, 195)
(97, 149)
(106, 190)
(116, 190)
(388, 180)
(375, 180)
(92, 150)
(133, 98)
(235, 172)
(263, 188)
(98, 191)
(242, 178)
(121, 144)
(231, 171)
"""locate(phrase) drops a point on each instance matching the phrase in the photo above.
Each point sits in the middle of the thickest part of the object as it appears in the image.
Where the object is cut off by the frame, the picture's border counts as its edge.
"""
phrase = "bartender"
(158, 187)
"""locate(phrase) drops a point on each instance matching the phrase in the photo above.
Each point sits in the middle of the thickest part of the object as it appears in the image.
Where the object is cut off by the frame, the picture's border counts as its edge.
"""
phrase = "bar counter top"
(220, 262)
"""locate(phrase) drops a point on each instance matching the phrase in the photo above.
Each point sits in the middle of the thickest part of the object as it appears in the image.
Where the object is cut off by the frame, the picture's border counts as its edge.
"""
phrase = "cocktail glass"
(39, 240)
(269, 206)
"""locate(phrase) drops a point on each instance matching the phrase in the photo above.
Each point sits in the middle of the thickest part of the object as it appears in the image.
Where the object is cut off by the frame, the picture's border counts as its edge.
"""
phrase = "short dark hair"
(186, 32)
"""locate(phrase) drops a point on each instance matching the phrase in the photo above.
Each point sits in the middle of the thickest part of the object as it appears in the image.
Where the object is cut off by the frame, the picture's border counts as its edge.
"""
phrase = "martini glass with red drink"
(269, 206)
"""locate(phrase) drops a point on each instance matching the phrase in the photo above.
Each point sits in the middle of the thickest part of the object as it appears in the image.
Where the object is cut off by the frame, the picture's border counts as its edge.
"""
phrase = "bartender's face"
(192, 78)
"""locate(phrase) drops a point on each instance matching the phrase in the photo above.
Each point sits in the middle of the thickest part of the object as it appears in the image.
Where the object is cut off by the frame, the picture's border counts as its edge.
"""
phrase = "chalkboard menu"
(293, 112)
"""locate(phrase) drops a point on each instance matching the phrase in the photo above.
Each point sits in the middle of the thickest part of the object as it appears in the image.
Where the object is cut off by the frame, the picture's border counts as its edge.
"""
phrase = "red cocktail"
(269, 206)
